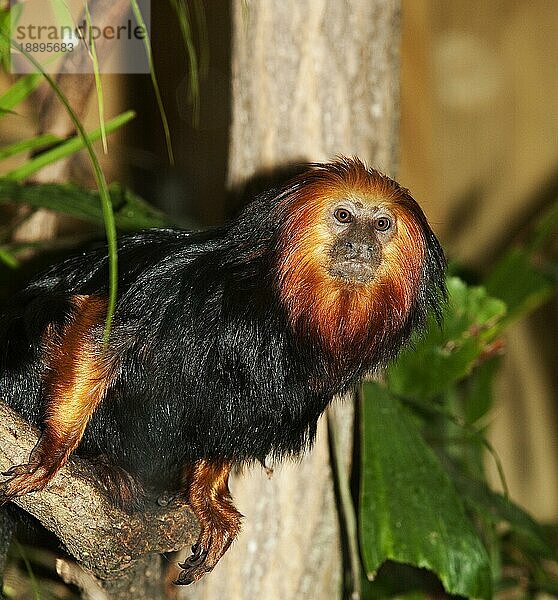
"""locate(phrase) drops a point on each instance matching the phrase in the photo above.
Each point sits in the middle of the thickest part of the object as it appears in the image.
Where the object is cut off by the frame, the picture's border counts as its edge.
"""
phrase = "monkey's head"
(358, 262)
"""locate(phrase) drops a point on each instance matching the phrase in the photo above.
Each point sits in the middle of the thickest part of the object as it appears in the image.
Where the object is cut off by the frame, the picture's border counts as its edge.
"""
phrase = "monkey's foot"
(210, 500)
(193, 567)
(206, 553)
(25, 478)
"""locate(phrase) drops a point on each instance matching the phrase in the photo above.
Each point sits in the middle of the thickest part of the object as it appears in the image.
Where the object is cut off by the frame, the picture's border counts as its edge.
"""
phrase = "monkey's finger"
(26, 479)
(23, 469)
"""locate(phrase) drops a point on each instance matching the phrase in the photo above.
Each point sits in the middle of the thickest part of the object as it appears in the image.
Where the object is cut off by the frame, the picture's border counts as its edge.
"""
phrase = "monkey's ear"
(433, 291)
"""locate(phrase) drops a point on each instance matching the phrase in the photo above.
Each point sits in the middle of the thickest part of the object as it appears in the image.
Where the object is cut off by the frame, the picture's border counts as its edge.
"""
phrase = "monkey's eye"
(343, 215)
(382, 223)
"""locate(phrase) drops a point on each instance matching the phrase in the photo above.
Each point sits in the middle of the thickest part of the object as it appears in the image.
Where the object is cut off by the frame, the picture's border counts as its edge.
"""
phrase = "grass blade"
(67, 148)
(201, 26)
(32, 579)
(8, 258)
(183, 15)
(98, 83)
(108, 215)
(149, 53)
(30, 145)
(18, 92)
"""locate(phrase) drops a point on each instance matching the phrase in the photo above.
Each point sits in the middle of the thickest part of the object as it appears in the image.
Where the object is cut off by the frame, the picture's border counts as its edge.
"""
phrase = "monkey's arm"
(78, 372)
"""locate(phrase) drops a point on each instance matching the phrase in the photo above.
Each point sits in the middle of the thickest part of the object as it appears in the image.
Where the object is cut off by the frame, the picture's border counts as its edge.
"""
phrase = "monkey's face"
(356, 254)
(359, 233)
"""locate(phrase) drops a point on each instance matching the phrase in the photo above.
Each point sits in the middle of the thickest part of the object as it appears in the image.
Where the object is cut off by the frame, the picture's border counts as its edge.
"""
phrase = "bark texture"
(104, 539)
(310, 80)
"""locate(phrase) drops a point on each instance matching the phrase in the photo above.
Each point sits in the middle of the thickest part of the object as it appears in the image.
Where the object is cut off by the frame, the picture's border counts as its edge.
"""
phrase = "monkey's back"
(205, 366)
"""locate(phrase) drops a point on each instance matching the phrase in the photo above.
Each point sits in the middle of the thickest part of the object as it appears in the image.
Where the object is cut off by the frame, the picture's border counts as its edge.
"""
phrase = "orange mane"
(339, 312)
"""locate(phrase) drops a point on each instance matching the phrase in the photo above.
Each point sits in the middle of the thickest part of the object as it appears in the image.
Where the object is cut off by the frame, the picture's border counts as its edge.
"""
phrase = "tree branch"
(101, 537)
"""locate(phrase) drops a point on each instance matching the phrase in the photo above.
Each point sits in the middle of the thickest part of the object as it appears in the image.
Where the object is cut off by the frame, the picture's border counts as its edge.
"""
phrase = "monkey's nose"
(358, 250)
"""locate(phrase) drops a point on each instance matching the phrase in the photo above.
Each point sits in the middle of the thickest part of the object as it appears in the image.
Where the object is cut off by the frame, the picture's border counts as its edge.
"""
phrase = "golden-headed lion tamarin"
(226, 346)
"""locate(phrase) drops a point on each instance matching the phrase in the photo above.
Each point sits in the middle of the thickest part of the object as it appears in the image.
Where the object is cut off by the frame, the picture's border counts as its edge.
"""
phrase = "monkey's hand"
(33, 475)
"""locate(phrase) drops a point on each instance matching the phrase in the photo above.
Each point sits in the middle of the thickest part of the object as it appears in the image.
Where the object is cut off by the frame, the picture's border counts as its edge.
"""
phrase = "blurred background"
(479, 149)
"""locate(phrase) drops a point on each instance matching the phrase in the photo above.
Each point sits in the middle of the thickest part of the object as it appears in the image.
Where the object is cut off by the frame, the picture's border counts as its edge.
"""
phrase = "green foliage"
(471, 322)
(18, 92)
(424, 501)
(97, 74)
(411, 511)
(130, 211)
(527, 275)
(147, 44)
(106, 206)
(195, 70)
(61, 150)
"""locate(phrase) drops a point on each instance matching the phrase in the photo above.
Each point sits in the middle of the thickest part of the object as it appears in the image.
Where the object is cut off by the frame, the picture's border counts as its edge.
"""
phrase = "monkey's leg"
(210, 499)
(79, 372)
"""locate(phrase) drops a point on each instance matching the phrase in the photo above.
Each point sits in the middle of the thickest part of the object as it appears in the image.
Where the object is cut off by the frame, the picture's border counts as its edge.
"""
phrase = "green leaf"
(9, 19)
(7, 257)
(98, 81)
(446, 355)
(67, 148)
(4, 43)
(478, 391)
(149, 53)
(108, 215)
(18, 91)
(545, 229)
(523, 278)
(30, 145)
(410, 510)
(183, 15)
(130, 211)
(478, 497)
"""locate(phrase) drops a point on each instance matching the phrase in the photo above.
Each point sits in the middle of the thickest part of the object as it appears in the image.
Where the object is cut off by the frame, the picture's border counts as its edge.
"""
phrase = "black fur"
(208, 364)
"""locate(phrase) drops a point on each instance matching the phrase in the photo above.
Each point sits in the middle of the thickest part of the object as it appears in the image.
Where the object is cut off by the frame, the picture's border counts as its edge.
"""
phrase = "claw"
(194, 567)
(184, 579)
(29, 477)
(33, 475)
(196, 551)
(209, 498)
(24, 469)
(196, 559)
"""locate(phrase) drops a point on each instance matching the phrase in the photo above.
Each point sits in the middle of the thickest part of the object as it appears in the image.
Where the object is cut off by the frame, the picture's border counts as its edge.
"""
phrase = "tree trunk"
(310, 80)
